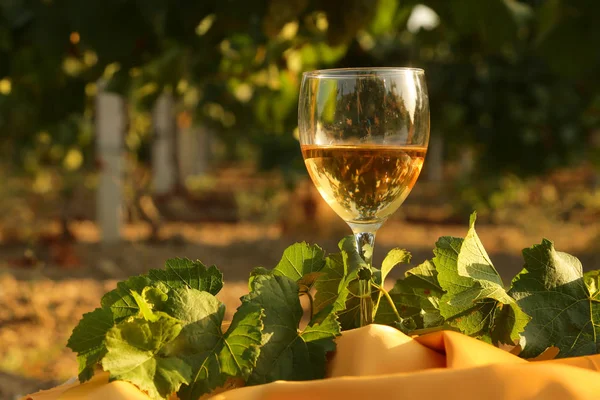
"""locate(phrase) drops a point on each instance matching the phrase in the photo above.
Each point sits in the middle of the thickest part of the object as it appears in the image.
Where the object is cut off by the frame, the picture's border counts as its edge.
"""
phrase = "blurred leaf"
(280, 12)
(347, 17)
(560, 38)
(384, 18)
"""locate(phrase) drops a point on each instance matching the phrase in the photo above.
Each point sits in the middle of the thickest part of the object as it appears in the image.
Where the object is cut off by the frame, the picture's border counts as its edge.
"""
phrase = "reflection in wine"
(364, 184)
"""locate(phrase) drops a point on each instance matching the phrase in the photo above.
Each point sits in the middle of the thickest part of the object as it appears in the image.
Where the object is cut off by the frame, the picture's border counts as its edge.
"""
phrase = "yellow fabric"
(98, 388)
(379, 361)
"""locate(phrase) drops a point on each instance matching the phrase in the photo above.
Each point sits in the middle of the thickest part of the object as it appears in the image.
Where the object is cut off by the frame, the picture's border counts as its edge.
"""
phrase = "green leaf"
(352, 259)
(494, 22)
(330, 286)
(86, 364)
(88, 340)
(349, 317)
(120, 300)
(286, 353)
(393, 258)
(446, 264)
(415, 297)
(474, 290)
(301, 262)
(136, 354)
(338, 284)
(383, 20)
(144, 306)
(473, 261)
(182, 272)
(155, 297)
(559, 36)
(592, 281)
(256, 272)
(564, 307)
(213, 355)
(317, 336)
(548, 17)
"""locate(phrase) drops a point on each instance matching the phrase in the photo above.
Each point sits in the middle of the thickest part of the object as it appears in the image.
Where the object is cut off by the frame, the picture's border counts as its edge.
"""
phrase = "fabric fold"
(380, 361)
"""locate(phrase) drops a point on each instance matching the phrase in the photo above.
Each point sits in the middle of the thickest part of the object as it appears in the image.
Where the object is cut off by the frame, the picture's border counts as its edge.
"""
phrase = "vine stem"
(389, 299)
(377, 304)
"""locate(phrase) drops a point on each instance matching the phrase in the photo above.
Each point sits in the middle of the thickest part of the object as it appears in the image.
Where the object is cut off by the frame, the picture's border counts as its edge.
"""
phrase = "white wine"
(364, 184)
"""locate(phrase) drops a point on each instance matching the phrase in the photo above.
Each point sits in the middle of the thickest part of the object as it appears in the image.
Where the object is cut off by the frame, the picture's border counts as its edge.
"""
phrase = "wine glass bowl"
(364, 134)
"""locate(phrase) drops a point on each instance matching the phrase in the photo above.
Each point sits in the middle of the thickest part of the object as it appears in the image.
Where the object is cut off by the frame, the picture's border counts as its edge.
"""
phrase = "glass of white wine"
(364, 134)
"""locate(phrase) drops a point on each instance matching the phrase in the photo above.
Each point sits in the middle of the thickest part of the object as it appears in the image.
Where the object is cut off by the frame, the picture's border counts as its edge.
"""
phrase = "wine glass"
(364, 134)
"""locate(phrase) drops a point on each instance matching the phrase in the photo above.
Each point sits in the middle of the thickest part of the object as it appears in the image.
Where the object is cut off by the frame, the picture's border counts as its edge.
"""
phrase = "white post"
(194, 151)
(466, 162)
(110, 126)
(163, 167)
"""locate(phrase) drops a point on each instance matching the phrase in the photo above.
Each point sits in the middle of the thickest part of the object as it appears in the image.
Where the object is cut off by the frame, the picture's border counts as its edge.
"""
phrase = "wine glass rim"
(360, 72)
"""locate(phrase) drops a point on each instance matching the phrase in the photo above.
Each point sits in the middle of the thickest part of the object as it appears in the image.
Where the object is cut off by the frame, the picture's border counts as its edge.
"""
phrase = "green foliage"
(475, 300)
(287, 353)
(164, 332)
(136, 353)
(301, 263)
(514, 79)
(416, 299)
(178, 273)
(550, 303)
(337, 288)
(120, 301)
(167, 325)
(88, 340)
(212, 354)
(564, 306)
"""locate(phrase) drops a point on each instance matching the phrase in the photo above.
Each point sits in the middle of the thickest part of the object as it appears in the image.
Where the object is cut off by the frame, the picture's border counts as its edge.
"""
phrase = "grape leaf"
(563, 303)
(352, 258)
(213, 355)
(152, 299)
(178, 272)
(301, 262)
(136, 354)
(417, 297)
(256, 272)
(317, 336)
(120, 300)
(182, 272)
(88, 340)
(155, 297)
(330, 289)
(475, 300)
(286, 353)
(592, 281)
(393, 258)
(338, 284)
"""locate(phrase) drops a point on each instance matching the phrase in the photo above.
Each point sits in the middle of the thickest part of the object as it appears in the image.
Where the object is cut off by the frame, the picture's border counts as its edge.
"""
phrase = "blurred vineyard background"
(136, 130)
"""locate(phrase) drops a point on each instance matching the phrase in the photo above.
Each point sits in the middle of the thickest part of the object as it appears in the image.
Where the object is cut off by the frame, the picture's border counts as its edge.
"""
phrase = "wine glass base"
(370, 227)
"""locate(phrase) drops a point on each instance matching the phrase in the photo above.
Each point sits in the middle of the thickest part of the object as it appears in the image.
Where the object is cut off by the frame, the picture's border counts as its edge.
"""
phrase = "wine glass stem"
(365, 241)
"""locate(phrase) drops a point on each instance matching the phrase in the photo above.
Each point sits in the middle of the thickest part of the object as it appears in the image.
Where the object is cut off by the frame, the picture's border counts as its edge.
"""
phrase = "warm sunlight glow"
(74, 37)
